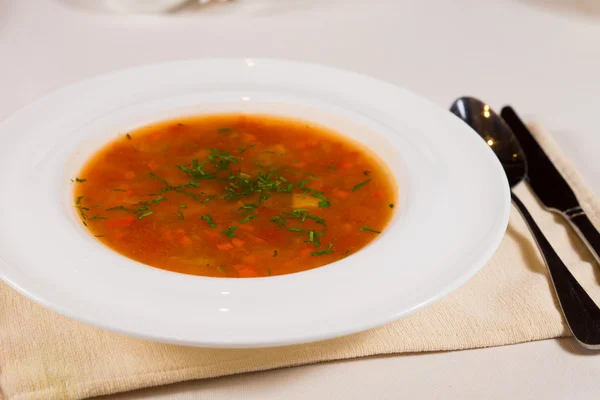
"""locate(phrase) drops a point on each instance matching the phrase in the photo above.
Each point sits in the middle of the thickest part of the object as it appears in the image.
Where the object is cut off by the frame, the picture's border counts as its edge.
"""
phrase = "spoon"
(580, 311)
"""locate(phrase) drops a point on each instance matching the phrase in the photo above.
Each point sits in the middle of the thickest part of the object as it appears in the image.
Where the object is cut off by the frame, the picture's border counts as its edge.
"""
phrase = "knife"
(549, 185)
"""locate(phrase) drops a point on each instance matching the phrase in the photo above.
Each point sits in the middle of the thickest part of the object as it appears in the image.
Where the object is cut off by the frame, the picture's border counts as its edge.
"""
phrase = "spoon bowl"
(497, 135)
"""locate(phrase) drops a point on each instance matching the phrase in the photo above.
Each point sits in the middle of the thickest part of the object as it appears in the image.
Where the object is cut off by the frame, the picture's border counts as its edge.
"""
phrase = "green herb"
(279, 221)
(99, 236)
(179, 124)
(274, 253)
(156, 201)
(391, 205)
(144, 215)
(78, 201)
(72, 181)
(225, 131)
(298, 230)
(84, 223)
(313, 238)
(210, 221)
(331, 167)
(120, 190)
(182, 206)
(243, 149)
(312, 175)
(363, 183)
(247, 208)
(80, 180)
(322, 252)
(209, 198)
(119, 208)
(366, 173)
(282, 154)
(128, 136)
(221, 159)
(259, 164)
(230, 232)
(96, 218)
(366, 228)
(248, 219)
(269, 271)
(220, 268)
(347, 252)
(134, 149)
(179, 215)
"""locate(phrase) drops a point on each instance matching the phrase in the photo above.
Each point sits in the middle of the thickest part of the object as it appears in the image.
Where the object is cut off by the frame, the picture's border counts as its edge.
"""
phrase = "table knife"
(549, 185)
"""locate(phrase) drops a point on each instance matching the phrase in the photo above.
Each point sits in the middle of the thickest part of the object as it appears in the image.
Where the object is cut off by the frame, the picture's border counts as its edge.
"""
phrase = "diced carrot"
(237, 242)
(378, 195)
(342, 194)
(224, 246)
(347, 228)
(346, 165)
(247, 228)
(311, 144)
(250, 259)
(256, 239)
(129, 175)
(305, 252)
(185, 240)
(120, 222)
(248, 272)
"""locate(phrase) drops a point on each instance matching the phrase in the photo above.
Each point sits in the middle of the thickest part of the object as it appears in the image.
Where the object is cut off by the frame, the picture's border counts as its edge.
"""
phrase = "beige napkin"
(46, 356)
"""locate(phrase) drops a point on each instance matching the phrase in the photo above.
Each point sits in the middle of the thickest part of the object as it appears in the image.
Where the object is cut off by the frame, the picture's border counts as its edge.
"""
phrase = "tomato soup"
(234, 196)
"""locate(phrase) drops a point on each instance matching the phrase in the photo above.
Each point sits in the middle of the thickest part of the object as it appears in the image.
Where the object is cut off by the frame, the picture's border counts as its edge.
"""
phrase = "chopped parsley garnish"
(119, 190)
(248, 219)
(366, 228)
(366, 173)
(96, 218)
(391, 205)
(182, 206)
(179, 215)
(269, 271)
(209, 220)
(247, 208)
(99, 236)
(134, 149)
(298, 230)
(331, 167)
(363, 183)
(348, 252)
(243, 149)
(313, 238)
(144, 215)
(118, 208)
(78, 201)
(274, 253)
(128, 136)
(80, 180)
(230, 232)
(279, 221)
(209, 198)
(158, 200)
(322, 252)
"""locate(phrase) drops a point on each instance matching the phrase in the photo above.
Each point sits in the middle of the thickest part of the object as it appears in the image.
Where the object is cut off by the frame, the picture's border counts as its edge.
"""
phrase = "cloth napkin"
(44, 355)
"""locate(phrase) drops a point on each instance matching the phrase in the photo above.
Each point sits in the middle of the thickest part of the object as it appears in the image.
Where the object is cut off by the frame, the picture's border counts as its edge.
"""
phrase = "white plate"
(452, 212)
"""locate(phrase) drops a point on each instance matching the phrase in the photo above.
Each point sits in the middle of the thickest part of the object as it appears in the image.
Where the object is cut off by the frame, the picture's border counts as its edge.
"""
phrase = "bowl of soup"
(235, 195)
(243, 202)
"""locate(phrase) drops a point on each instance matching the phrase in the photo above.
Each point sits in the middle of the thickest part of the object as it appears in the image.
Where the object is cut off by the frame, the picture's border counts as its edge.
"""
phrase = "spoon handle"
(580, 311)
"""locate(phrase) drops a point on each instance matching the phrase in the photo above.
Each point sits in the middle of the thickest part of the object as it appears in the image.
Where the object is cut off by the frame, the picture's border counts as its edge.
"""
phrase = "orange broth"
(234, 196)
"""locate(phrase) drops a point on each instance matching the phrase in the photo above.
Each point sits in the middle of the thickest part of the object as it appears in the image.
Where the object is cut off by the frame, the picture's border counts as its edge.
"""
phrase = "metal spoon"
(580, 311)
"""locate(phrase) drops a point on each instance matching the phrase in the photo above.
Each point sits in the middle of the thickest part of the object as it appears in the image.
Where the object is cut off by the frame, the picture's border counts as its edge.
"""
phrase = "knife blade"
(550, 186)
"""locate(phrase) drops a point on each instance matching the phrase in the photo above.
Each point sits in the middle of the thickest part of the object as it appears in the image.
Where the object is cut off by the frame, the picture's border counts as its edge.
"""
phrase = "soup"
(234, 196)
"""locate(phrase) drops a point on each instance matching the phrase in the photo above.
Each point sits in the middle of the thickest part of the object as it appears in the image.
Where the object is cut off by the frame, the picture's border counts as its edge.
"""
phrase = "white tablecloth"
(541, 56)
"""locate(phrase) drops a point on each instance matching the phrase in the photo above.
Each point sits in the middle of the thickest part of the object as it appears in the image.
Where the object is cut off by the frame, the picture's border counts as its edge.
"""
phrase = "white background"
(541, 56)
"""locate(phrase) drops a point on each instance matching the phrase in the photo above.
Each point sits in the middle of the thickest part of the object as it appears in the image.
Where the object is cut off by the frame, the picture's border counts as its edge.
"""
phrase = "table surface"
(541, 56)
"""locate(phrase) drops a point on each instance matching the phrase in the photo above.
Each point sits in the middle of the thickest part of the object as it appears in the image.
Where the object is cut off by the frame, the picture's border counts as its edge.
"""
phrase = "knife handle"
(580, 311)
(585, 229)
